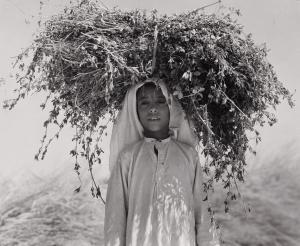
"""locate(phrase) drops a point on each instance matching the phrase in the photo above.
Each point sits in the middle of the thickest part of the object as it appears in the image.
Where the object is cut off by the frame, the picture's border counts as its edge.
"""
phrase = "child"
(154, 195)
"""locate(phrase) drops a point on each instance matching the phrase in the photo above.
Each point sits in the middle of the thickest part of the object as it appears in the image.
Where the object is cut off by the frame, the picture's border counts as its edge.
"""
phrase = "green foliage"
(87, 57)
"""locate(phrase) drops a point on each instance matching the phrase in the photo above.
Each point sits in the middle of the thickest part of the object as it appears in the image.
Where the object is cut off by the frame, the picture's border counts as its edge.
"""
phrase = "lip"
(153, 118)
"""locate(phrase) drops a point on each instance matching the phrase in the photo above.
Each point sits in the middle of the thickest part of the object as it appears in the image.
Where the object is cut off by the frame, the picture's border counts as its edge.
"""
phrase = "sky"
(274, 22)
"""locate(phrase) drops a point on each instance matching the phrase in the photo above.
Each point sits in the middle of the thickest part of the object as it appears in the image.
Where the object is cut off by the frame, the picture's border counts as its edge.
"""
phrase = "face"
(153, 111)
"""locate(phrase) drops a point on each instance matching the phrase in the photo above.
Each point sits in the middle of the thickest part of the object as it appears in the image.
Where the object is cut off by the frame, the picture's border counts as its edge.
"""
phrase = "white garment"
(155, 199)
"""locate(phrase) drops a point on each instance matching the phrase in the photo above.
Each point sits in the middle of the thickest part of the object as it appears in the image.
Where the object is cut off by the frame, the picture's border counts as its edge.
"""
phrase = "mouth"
(153, 118)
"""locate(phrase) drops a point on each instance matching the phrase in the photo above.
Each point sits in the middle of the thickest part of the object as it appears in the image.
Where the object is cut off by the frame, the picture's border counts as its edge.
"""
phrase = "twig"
(98, 191)
(154, 50)
(235, 105)
(17, 7)
(56, 135)
(203, 121)
(77, 166)
(67, 60)
(78, 106)
(78, 75)
(243, 199)
(42, 142)
(205, 6)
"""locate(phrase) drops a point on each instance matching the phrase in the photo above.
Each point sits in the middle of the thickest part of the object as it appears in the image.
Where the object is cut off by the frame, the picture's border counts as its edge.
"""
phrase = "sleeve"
(116, 206)
(203, 228)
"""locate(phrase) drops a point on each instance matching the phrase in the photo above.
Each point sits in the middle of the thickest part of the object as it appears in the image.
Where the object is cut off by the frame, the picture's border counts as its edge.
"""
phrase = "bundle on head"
(87, 57)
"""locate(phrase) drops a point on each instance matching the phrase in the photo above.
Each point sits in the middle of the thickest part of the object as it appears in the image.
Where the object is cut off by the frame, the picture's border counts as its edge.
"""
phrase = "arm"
(204, 233)
(116, 206)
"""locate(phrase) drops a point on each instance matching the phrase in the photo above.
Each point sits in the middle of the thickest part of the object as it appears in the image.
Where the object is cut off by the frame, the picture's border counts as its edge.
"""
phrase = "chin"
(156, 129)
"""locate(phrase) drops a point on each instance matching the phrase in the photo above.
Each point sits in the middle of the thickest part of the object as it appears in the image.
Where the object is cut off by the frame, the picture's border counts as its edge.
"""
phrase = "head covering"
(127, 129)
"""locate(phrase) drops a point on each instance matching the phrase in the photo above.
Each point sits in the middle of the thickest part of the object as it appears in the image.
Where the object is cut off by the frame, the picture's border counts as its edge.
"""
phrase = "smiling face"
(153, 111)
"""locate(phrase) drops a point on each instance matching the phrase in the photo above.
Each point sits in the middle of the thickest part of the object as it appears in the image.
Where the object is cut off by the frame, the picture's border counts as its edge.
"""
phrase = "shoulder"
(187, 148)
(130, 150)
(126, 157)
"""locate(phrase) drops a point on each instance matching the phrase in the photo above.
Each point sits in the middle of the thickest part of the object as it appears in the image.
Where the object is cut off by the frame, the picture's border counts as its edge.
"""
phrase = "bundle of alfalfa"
(87, 57)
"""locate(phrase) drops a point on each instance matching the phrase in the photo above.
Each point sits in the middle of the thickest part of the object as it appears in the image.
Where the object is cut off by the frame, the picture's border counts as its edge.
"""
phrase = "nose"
(153, 110)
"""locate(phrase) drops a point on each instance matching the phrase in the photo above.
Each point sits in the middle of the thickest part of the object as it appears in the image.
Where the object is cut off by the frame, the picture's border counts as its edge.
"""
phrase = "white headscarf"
(127, 129)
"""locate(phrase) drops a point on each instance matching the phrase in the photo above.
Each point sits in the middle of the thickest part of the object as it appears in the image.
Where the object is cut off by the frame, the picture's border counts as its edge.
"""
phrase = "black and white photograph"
(149, 123)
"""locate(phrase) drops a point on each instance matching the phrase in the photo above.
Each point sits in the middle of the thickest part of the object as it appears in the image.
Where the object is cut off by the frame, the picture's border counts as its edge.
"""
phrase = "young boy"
(154, 194)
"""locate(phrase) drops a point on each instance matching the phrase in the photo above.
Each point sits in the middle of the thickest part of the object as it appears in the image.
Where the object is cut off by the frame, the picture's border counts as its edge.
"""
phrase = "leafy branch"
(88, 56)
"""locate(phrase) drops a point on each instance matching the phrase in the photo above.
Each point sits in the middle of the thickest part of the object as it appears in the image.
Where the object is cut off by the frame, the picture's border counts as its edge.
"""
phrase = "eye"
(161, 101)
(144, 103)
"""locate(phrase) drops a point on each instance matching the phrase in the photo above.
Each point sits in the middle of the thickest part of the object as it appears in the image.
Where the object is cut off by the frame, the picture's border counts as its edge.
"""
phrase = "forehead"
(149, 90)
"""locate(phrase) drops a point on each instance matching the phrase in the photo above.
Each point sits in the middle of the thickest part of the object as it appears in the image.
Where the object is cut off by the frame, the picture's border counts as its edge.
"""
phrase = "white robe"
(155, 199)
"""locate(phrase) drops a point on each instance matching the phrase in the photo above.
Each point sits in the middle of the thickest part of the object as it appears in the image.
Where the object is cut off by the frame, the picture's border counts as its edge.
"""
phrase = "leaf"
(187, 75)
(73, 152)
(197, 73)
(77, 190)
(178, 94)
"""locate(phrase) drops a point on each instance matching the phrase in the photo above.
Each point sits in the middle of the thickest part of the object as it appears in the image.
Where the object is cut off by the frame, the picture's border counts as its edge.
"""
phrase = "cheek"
(141, 113)
(166, 114)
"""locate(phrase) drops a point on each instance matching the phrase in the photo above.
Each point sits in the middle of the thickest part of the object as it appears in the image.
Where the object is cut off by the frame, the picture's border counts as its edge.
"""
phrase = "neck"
(157, 135)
